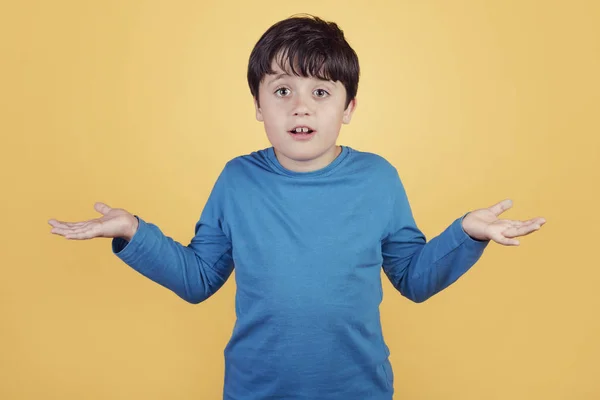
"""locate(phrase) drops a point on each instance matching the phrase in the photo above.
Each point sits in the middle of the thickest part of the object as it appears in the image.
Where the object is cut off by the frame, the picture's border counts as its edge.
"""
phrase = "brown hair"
(309, 46)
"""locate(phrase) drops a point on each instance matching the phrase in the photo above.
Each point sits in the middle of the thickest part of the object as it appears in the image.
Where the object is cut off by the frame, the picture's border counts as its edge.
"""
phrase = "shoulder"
(243, 166)
(374, 164)
(247, 163)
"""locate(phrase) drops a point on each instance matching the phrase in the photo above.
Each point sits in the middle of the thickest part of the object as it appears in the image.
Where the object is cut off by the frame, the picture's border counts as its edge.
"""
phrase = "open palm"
(115, 222)
(484, 224)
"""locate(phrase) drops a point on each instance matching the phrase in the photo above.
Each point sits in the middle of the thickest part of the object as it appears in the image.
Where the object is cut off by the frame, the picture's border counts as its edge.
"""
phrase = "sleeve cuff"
(127, 251)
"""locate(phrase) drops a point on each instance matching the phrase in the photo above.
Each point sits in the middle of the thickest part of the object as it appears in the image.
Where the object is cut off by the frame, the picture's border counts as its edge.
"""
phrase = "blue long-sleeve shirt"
(307, 249)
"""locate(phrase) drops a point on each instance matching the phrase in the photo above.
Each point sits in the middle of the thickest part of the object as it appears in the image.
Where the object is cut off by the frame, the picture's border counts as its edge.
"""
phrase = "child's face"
(288, 101)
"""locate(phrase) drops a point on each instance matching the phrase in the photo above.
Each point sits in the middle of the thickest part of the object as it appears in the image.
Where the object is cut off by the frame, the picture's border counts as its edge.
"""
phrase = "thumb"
(499, 208)
(102, 208)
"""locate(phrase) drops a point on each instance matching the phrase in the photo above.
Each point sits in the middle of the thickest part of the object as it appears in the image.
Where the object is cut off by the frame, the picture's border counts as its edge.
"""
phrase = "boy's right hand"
(115, 222)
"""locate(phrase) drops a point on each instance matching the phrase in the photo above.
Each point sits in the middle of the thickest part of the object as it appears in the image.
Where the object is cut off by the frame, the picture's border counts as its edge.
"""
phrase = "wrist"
(471, 229)
(133, 227)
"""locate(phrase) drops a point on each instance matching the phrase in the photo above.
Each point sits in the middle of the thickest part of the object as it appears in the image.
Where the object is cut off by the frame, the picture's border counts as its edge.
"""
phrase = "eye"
(278, 91)
(321, 93)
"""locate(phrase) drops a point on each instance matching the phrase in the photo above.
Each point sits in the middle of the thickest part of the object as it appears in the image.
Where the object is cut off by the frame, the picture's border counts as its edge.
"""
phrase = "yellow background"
(140, 103)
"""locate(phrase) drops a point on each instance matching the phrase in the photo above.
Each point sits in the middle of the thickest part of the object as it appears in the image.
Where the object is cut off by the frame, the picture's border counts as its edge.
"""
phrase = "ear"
(349, 111)
(259, 116)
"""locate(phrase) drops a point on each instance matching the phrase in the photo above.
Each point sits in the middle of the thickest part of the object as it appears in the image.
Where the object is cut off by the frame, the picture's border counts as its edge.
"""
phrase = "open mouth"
(301, 130)
(302, 133)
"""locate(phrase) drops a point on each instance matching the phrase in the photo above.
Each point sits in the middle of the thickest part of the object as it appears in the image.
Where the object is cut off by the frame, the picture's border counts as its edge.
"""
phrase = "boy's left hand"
(483, 224)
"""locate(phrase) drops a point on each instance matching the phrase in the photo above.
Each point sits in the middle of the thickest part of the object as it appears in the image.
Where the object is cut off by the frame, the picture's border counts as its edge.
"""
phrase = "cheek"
(273, 117)
(334, 116)
(272, 125)
(270, 119)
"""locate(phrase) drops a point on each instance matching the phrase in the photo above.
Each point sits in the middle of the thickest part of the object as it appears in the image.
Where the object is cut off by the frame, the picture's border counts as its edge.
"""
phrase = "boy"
(308, 224)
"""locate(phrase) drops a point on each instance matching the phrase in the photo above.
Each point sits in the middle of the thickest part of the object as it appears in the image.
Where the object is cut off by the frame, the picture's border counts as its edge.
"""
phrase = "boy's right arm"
(194, 272)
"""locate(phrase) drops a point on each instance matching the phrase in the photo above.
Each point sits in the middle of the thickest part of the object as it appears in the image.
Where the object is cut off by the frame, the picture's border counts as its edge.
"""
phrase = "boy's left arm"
(420, 269)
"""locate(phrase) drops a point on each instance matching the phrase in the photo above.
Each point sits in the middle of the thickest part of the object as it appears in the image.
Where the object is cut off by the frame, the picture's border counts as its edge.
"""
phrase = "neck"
(309, 165)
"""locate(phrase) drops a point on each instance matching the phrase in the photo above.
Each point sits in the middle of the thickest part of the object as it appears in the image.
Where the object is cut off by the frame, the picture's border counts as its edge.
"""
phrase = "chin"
(299, 154)
(301, 151)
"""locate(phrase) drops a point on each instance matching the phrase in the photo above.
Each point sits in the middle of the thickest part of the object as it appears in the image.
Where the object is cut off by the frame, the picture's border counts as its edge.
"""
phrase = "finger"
(76, 224)
(512, 223)
(65, 228)
(76, 234)
(57, 231)
(102, 208)
(517, 224)
(498, 238)
(90, 228)
(63, 224)
(499, 208)
(89, 234)
(61, 231)
(538, 220)
(521, 231)
(56, 223)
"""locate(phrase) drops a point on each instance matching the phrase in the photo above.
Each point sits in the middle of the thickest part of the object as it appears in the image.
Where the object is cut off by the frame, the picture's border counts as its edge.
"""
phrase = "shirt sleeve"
(419, 269)
(193, 272)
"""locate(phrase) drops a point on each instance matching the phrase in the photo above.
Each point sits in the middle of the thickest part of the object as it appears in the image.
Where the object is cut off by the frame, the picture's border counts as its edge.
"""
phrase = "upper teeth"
(301, 130)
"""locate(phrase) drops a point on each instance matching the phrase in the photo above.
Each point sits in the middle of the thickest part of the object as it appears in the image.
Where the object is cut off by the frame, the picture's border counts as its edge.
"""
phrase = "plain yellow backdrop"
(141, 103)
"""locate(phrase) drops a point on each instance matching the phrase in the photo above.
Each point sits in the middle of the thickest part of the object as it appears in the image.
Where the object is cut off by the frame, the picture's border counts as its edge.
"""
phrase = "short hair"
(310, 47)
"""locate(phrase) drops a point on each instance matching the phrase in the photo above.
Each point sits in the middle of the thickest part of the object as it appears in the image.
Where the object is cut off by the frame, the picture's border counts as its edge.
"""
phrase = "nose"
(301, 106)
